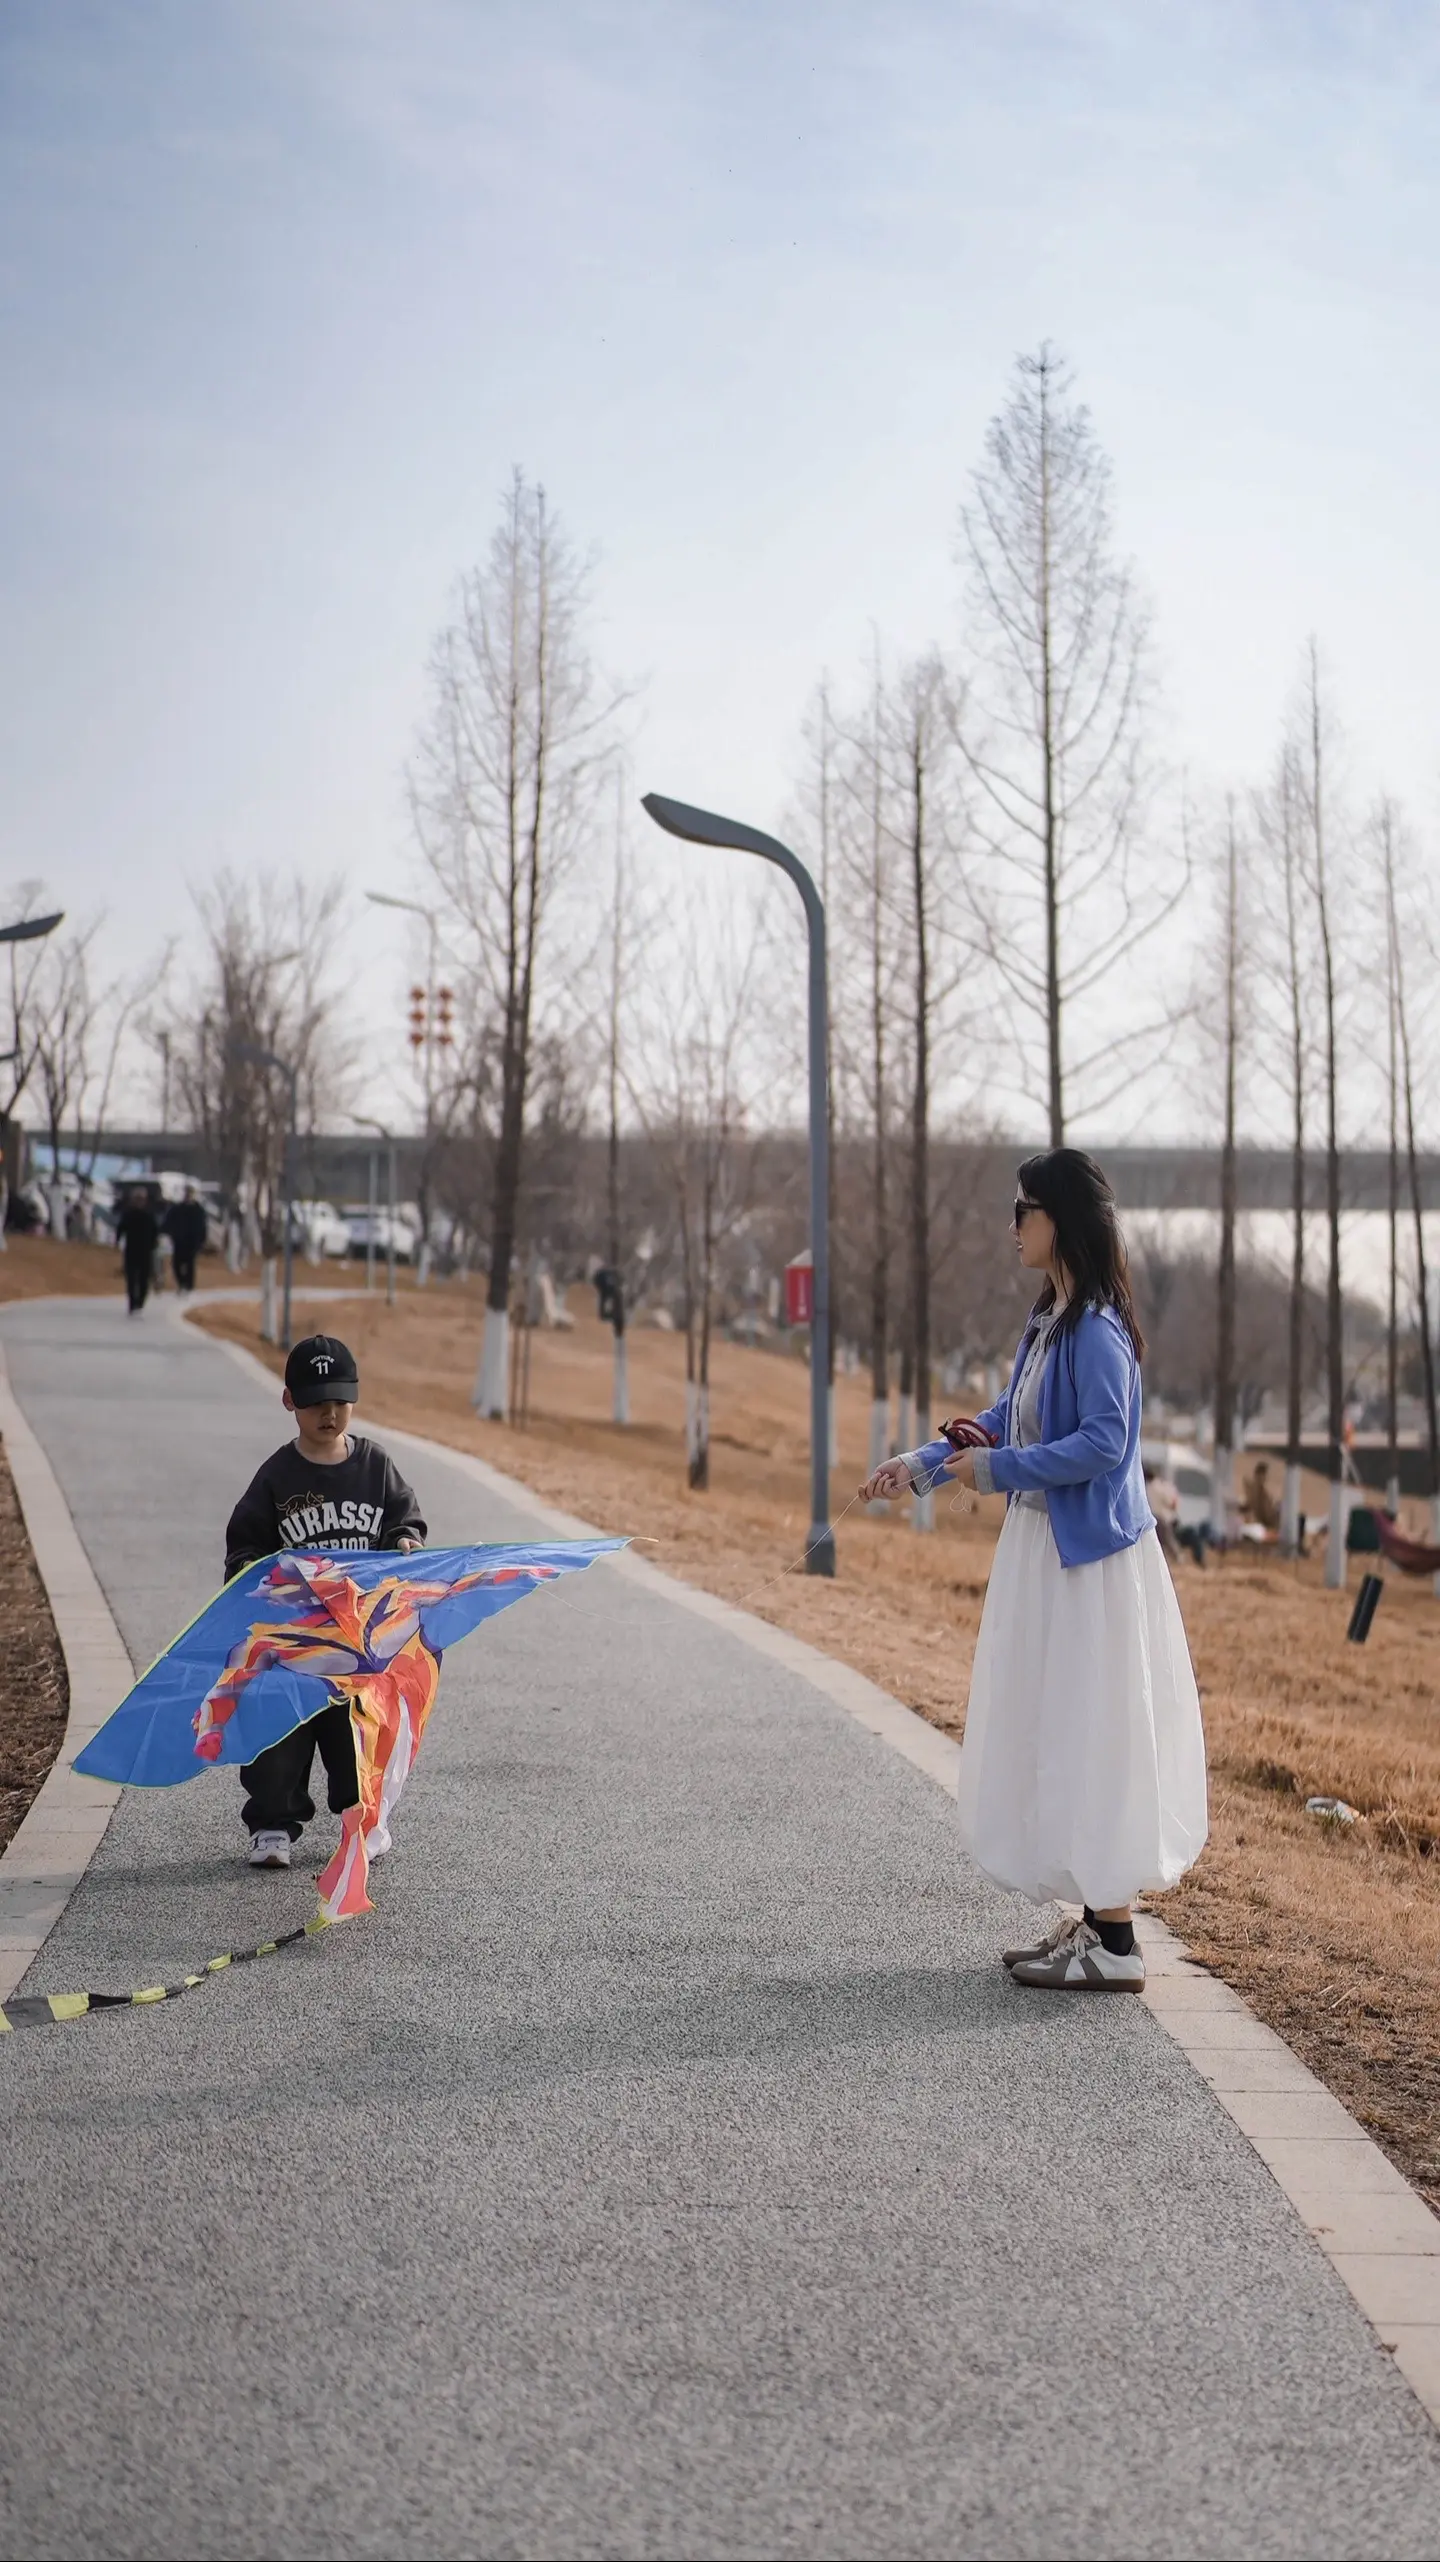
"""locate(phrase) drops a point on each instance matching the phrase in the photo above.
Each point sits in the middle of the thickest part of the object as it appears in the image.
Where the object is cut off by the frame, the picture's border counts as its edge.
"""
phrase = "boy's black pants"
(183, 1262)
(278, 1781)
(137, 1276)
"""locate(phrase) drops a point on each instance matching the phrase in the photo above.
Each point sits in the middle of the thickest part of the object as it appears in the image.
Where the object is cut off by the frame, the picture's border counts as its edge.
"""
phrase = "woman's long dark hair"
(1073, 1192)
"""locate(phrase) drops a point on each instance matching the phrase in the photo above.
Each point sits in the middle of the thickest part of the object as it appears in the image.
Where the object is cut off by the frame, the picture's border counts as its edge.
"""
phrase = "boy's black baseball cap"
(320, 1369)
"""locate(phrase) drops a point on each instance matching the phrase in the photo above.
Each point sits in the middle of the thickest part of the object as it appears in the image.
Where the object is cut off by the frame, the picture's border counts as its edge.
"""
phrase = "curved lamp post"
(362, 1121)
(415, 907)
(28, 929)
(31, 928)
(702, 827)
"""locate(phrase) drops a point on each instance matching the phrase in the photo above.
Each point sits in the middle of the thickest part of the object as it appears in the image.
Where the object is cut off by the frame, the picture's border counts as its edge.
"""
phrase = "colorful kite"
(292, 1635)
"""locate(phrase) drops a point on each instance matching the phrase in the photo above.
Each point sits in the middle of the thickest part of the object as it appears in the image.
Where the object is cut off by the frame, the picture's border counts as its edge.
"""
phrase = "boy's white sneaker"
(270, 1850)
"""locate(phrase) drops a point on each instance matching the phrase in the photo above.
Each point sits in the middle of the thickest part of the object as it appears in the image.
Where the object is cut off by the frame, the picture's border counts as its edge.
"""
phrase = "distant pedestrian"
(1082, 1777)
(1260, 1505)
(326, 1489)
(137, 1233)
(185, 1225)
(1164, 1497)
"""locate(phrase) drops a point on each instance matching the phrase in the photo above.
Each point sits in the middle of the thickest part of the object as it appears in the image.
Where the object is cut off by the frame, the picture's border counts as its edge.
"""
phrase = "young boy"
(326, 1488)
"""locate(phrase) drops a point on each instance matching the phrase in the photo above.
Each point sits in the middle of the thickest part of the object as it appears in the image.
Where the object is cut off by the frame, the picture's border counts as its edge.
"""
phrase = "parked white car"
(320, 1231)
(407, 1232)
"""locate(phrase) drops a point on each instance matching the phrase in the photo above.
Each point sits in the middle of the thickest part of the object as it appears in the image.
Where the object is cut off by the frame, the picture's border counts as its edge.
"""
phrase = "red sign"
(800, 1290)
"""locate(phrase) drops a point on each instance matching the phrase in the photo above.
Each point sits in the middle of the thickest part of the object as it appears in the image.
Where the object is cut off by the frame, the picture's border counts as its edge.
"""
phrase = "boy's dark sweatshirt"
(360, 1502)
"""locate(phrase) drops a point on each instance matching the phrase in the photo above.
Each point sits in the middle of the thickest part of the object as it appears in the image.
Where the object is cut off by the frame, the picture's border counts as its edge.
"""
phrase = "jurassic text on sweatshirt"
(361, 1502)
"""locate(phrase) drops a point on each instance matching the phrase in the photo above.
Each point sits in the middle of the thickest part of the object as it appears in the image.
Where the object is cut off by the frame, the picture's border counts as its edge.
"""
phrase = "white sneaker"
(379, 1842)
(1064, 1929)
(1081, 1963)
(270, 1850)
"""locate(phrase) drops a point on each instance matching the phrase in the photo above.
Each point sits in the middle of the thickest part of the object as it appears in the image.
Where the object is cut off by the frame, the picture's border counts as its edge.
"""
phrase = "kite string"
(796, 1564)
(963, 1500)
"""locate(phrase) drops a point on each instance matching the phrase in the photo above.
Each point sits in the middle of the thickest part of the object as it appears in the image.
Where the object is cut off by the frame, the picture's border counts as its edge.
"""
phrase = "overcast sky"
(290, 285)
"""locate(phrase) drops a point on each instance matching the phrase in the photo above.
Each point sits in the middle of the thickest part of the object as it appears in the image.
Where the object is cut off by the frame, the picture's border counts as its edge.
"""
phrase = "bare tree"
(1385, 830)
(1222, 1481)
(1317, 812)
(615, 1260)
(1281, 820)
(504, 792)
(693, 1107)
(1389, 832)
(266, 985)
(1052, 730)
(920, 734)
(26, 966)
(67, 1033)
(868, 940)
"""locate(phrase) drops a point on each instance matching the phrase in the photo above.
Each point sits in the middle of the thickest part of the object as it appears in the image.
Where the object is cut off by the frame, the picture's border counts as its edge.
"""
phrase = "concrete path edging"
(1374, 2228)
(51, 1849)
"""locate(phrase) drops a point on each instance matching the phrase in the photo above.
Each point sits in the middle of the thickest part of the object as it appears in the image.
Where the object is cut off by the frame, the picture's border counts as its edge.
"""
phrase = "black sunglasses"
(1023, 1210)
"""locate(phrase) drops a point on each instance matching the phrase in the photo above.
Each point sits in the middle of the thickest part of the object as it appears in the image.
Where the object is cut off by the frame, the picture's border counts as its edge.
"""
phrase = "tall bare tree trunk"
(509, 763)
(1422, 1277)
(1045, 644)
(1051, 723)
(832, 1430)
(1222, 1477)
(1392, 1312)
(923, 1512)
(880, 1442)
(1291, 1527)
(620, 1390)
(1334, 1303)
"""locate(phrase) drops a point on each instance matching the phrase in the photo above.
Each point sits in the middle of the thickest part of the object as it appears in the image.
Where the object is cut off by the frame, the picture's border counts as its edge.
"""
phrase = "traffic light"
(417, 1018)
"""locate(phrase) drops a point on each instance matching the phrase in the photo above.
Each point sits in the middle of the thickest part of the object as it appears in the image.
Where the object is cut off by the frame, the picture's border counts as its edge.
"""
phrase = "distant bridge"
(334, 1165)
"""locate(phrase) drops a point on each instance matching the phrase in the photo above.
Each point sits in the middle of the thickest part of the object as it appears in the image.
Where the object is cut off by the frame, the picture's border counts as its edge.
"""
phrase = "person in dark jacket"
(330, 1489)
(184, 1225)
(137, 1233)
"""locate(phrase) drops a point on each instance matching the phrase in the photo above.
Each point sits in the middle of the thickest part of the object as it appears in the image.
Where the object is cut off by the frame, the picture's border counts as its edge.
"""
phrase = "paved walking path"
(666, 2168)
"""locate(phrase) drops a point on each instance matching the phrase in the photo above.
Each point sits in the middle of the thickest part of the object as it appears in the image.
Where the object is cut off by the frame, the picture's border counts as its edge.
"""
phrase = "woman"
(1083, 1770)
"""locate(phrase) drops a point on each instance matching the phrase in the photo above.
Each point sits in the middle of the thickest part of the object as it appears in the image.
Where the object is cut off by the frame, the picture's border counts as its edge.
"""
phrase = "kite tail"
(388, 1713)
(342, 1884)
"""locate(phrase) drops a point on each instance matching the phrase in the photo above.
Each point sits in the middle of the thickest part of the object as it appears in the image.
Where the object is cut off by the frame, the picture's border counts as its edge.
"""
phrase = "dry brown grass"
(1335, 1937)
(36, 1267)
(34, 1693)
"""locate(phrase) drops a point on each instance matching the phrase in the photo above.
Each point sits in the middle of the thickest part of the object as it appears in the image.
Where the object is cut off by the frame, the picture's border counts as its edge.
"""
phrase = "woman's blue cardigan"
(1087, 1459)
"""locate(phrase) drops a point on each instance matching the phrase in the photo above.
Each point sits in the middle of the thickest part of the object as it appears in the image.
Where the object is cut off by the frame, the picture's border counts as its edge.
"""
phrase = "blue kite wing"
(150, 1740)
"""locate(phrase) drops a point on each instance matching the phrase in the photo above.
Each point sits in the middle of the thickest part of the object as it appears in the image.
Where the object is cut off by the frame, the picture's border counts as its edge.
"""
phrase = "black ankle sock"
(1117, 1937)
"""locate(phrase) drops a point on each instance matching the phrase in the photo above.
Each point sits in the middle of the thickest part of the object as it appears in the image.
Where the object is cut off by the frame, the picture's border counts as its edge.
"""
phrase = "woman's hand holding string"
(893, 1477)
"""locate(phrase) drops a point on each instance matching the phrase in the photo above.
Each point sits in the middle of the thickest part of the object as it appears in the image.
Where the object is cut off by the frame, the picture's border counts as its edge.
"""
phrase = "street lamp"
(269, 1059)
(416, 907)
(702, 827)
(361, 1123)
(29, 929)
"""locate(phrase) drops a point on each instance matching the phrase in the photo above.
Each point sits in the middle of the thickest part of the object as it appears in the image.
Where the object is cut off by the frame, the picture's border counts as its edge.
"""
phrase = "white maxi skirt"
(1082, 1775)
